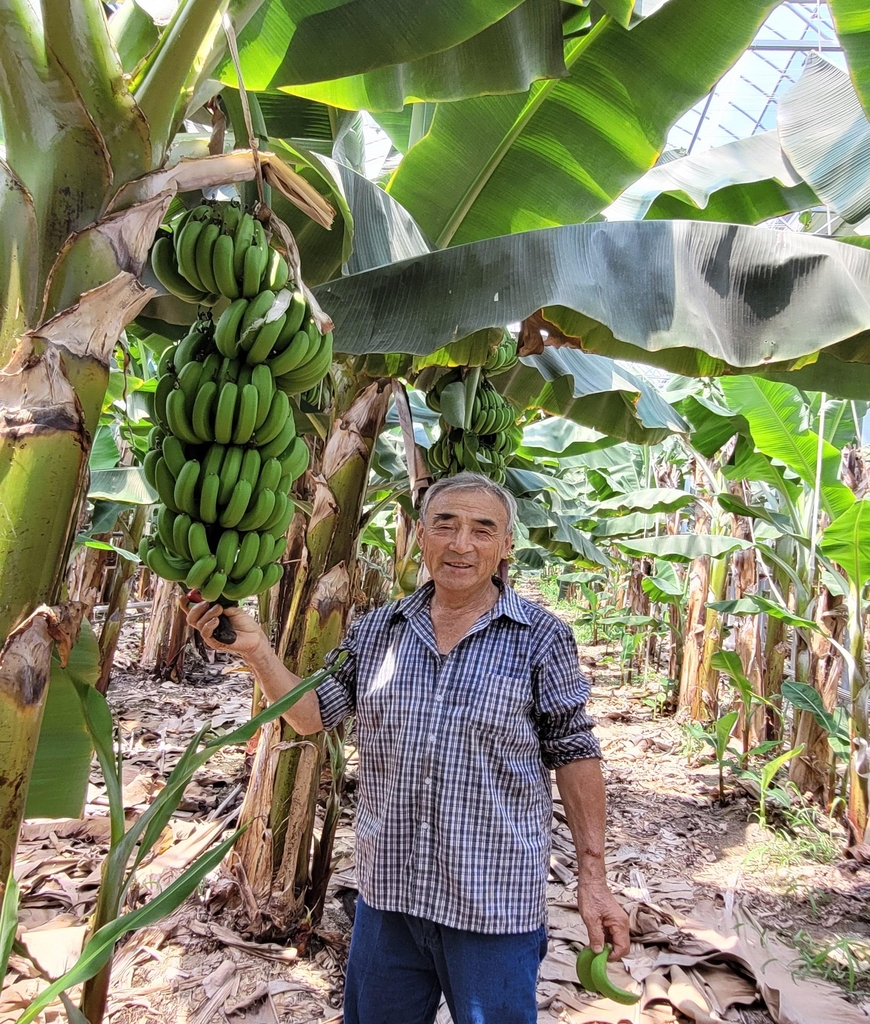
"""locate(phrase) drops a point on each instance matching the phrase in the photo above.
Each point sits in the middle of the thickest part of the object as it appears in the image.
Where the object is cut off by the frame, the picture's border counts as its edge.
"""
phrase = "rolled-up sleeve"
(337, 694)
(561, 693)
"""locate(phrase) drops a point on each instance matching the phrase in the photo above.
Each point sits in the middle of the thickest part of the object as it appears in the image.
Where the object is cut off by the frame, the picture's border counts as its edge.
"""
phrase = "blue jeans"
(399, 965)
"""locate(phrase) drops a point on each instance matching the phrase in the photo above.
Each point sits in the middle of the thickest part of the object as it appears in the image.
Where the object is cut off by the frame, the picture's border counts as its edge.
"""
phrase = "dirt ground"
(672, 850)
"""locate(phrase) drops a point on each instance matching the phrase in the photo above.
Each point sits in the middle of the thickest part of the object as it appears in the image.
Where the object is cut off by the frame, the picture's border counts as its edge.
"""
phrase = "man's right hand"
(250, 639)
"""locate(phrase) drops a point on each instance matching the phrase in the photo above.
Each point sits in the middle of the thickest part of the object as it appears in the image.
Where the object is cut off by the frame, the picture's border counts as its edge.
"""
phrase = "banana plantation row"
(206, 303)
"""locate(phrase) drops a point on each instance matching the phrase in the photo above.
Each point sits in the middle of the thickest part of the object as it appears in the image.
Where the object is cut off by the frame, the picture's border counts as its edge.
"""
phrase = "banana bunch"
(216, 249)
(503, 357)
(592, 975)
(223, 454)
(491, 413)
(457, 450)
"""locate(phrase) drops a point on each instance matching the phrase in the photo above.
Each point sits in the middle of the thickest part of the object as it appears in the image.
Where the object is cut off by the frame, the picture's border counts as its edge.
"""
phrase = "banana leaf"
(125, 484)
(853, 32)
(777, 418)
(743, 182)
(564, 151)
(556, 436)
(698, 299)
(684, 547)
(825, 134)
(507, 57)
(755, 605)
(59, 781)
(285, 43)
(647, 499)
(847, 542)
(665, 585)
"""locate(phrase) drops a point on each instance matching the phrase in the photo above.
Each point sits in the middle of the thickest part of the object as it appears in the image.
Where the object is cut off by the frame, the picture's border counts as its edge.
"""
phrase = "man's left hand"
(604, 918)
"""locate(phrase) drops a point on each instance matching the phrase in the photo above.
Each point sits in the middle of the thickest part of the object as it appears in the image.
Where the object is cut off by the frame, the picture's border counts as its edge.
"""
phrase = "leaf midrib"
(572, 55)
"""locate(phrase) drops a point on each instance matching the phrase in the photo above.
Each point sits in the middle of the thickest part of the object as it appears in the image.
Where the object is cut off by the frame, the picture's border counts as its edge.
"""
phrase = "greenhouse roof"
(744, 100)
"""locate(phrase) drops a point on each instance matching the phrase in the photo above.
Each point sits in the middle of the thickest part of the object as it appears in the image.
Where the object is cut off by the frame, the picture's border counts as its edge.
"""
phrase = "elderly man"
(465, 696)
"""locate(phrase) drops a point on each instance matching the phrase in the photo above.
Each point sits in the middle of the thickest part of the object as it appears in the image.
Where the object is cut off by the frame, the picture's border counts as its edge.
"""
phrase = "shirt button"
(439, 696)
(427, 781)
(424, 827)
(431, 737)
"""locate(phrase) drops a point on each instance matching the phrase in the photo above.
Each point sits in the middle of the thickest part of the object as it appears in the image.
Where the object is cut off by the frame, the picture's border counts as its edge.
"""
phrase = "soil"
(670, 843)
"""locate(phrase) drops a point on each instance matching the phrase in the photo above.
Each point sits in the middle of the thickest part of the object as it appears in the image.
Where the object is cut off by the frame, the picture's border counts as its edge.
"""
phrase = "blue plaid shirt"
(455, 751)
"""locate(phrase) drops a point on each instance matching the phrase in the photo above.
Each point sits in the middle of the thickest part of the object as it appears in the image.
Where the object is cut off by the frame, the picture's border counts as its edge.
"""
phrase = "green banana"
(213, 588)
(226, 332)
(160, 561)
(180, 533)
(247, 556)
(277, 272)
(166, 271)
(296, 353)
(188, 380)
(258, 307)
(229, 473)
(214, 460)
(229, 371)
(188, 348)
(246, 587)
(197, 541)
(605, 986)
(202, 418)
(173, 452)
(310, 372)
(278, 512)
(264, 340)
(267, 546)
(222, 267)
(264, 382)
(185, 252)
(200, 572)
(280, 548)
(177, 418)
(245, 372)
(294, 460)
(164, 484)
(165, 386)
(584, 968)
(237, 505)
(204, 254)
(165, 363)
(262, 507)
(242, 240)
(165, 522)
(246, 414)
(230, 215)
(226, 551)
(269, 477)
(208, 498)
(185, 487)
(279, 443)
(255, 262)
(296, 313)
(149, 465)
(271, 576)
(225, 415)
(279, 417)
(280, 527)
(250, 471)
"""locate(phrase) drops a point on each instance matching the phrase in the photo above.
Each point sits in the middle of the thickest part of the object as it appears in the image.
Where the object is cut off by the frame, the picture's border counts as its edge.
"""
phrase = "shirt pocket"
(500, 702)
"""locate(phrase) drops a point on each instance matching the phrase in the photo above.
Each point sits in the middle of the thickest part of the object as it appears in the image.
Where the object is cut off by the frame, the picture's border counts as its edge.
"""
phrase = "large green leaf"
(826, 135)
(776, 414)
(755, 605)
(288, 43)
(684, 547)
(665, 586)
(492, 166)
(59, 781)
(847, 542)
(743, 182)
(593, 391)
(647, 499)
(524, 46)
(696, 298)
(555, 436)
(126, 485)
(852, 22)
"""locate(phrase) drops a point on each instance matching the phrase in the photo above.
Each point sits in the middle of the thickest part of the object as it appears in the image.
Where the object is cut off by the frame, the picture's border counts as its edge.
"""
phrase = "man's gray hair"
(472, 482)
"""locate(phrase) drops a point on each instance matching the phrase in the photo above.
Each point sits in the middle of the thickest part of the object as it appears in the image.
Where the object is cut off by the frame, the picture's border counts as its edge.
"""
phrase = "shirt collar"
(509, 603)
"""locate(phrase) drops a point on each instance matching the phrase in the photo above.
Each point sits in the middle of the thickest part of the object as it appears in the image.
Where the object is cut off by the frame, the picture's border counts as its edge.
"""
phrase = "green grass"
(844, 960)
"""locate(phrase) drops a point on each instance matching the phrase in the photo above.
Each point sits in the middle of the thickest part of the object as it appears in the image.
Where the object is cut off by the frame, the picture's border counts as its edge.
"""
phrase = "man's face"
(463, 539)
